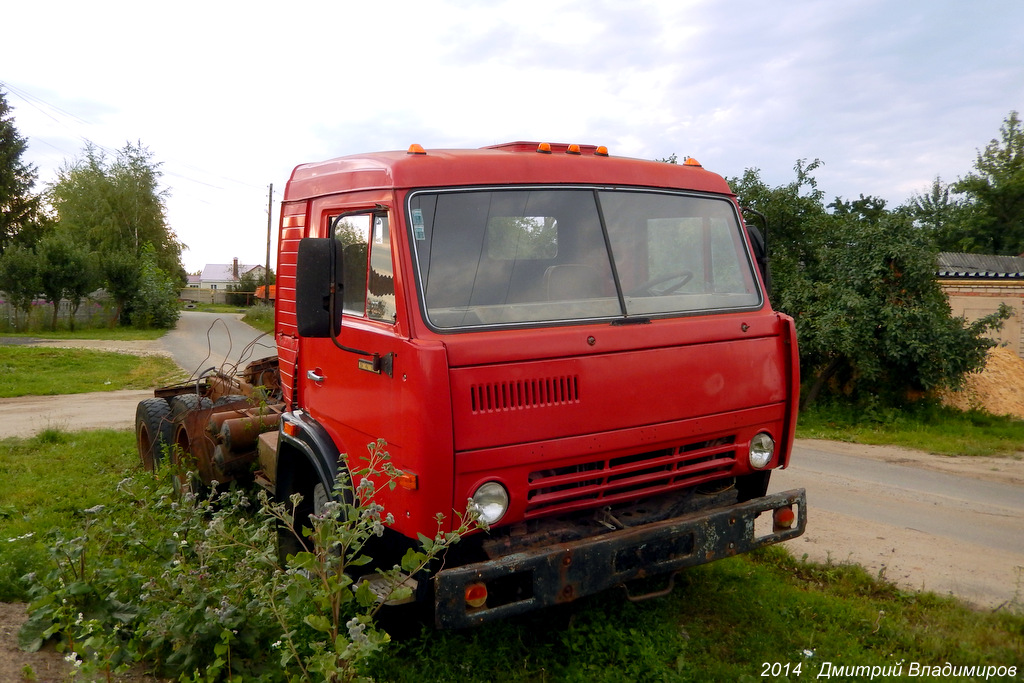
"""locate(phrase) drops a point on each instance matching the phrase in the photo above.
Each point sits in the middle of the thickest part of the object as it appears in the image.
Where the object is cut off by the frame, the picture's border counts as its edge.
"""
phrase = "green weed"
(924, 425)
(43, 371)
(260, 316)
(165, 579)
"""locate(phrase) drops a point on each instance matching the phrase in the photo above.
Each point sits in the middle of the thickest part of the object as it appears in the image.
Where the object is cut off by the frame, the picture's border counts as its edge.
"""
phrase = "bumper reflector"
(476, 595)
(784, 518)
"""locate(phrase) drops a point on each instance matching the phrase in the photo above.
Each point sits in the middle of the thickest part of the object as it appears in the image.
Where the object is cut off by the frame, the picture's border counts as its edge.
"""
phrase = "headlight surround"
(762, 448)
(491, 502)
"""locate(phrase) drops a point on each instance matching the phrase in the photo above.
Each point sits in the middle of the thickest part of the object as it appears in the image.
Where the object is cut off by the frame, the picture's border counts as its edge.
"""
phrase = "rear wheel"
(153, 431)
(182, 456)
(182, 403)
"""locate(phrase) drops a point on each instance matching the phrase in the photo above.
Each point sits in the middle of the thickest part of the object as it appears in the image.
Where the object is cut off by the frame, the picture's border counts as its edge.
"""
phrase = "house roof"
(224, 272)
(980, 266)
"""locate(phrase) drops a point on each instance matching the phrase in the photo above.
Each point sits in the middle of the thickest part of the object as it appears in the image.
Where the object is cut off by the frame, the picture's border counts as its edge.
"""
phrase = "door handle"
(315, 376)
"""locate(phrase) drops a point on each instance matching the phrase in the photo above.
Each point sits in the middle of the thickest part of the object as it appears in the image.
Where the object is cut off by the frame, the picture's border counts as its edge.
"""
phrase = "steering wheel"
(683, 275)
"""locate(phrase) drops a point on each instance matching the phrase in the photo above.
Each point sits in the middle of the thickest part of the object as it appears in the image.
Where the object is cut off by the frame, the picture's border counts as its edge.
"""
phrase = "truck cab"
(578, 344)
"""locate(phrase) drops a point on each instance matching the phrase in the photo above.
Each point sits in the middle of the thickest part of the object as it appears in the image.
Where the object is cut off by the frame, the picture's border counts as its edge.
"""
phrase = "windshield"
(525, 256)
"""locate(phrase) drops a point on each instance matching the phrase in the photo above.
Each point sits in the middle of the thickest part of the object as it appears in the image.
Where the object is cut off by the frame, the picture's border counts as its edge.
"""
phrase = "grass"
(48, 480)
(40, 371)
(213, 308)
(104, 333)
(260, 316)
(925, 426)
(723, 621)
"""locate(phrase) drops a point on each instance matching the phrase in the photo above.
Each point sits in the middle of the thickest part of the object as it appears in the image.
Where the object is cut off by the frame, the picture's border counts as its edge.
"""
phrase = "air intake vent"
(526, 393)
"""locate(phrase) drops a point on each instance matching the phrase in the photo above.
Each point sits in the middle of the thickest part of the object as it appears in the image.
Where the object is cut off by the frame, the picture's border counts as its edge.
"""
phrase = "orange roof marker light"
(573, 149)
(690, 161)
(544, 148)
(601, 151)
(416, 149)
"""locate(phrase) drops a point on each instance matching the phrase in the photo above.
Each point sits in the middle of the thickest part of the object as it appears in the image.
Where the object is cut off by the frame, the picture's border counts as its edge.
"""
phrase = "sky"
(230, 96)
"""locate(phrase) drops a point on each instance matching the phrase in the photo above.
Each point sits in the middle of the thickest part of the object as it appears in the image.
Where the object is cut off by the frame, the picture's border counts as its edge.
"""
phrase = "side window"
(380, 300)
(354, 234)
(369, 282)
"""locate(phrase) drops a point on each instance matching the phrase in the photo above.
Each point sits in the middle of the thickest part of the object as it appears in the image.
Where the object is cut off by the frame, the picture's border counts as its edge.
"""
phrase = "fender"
(300, 433)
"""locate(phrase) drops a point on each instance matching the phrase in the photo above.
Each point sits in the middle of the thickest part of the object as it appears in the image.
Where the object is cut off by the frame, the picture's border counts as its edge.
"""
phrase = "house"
(218, 276)
(977, 283)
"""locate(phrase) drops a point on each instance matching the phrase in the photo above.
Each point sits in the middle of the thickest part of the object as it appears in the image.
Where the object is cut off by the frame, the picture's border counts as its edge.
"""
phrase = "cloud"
(230, 96)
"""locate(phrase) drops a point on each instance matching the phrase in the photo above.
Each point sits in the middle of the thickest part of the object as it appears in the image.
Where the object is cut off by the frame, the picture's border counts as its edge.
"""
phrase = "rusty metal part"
(200, 449)
(562, 572)
(193, 448)
(231, 464)
(240, 433)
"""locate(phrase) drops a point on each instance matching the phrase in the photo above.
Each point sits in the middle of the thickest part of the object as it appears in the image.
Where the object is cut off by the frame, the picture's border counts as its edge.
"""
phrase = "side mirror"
(318, 279)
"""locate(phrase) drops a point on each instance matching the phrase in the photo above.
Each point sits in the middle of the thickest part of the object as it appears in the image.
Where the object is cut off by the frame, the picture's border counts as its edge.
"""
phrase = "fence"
(96, 311)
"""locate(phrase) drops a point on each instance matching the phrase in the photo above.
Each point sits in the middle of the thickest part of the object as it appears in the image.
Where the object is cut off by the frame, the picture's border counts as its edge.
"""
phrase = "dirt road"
(950, 525)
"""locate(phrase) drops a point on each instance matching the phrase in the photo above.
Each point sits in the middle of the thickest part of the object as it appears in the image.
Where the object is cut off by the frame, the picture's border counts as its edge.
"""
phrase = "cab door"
(348, 383)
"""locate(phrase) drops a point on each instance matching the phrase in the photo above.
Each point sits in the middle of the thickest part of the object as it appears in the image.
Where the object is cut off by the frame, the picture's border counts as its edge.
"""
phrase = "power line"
(55, 113)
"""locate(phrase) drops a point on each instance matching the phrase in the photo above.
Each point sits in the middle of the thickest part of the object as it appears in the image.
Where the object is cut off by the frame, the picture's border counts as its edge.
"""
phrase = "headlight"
(491, 502)
(762, 448)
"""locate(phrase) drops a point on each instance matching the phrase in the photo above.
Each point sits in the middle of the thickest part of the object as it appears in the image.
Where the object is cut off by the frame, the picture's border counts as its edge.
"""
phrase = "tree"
(65, 272)
(19, 279)
(860, 283)
(241, 294)
(156, 302)
(995, 195)
(940, 215)
(21, 218)
(121, 273)
(117, 206)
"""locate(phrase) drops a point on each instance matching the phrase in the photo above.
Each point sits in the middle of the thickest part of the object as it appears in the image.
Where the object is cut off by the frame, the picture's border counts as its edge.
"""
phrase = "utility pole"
(266, 273)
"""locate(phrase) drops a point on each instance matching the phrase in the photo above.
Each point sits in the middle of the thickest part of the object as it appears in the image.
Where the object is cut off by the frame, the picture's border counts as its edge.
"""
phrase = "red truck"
(579, 344)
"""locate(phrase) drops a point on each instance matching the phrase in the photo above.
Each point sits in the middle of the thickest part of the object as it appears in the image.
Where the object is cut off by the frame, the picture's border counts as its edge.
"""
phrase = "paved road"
(203, 340)
(959, 531)
(198, 342)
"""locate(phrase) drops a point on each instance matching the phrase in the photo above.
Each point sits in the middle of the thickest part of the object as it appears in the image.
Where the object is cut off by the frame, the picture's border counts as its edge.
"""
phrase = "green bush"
(194, 584)
(155, 304)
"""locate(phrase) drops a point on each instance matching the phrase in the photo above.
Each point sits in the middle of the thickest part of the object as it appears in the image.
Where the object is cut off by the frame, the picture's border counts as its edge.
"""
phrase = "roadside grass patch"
(260, 316)
(924, 425)
(212, 308)
(48, 480)
(104, 333)
(723, 622)
(44, 371)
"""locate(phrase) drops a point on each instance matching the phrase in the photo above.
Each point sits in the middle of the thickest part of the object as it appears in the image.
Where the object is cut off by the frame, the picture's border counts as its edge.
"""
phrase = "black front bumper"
(560, 573)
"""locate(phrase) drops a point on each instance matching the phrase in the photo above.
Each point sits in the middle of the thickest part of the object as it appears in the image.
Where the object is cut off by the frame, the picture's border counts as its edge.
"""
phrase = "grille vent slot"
(615, 479)
(525, 393)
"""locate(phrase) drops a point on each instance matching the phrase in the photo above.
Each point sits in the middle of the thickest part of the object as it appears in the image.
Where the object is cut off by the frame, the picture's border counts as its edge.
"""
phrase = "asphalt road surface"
(203, 340)
(947, 525)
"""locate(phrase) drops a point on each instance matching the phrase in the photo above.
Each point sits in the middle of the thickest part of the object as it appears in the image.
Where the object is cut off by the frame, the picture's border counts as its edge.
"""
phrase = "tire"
(182, 403)
(153, 431)
(180, 406)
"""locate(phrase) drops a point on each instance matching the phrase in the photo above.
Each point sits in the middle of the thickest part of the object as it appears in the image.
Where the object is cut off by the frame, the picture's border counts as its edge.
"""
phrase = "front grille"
(611, 480)
(524, 393)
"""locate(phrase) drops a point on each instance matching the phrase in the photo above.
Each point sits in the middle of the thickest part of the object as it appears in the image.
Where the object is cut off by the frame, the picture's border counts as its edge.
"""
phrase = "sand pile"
(998, 388)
